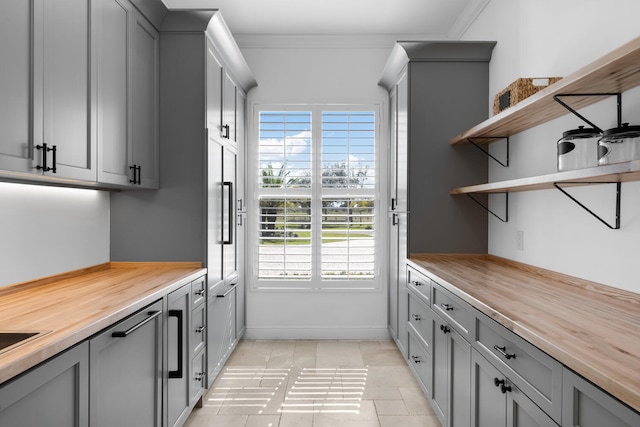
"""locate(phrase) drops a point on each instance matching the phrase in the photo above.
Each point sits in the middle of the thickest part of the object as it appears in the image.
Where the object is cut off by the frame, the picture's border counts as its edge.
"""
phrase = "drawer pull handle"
(503, 387)
(416, 317)
(445, 329)
(503, 351)
(416, 359)
(200, 292)
(416, 283)
(199, 376)
(447, 307)
(200, 329)
(121, 334)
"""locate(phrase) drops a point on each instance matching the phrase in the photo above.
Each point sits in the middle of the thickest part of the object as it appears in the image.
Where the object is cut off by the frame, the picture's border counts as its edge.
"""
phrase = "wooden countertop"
(591, 328)
(73, 306)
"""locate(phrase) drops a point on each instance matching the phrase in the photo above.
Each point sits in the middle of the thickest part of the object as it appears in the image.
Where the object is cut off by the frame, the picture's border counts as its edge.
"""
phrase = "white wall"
(294, 74)
(556, 38)
(49, 230)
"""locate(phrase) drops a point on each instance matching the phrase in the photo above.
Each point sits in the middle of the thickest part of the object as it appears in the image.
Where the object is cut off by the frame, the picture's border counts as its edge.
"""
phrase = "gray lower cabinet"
(177, 365)
(221, 336)
(497, 402)
(451, 375)
(126, 371)
(585, 405)
(54, 394)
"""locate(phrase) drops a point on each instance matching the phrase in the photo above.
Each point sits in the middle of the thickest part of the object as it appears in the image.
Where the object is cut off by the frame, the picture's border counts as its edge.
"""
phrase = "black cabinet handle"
(416, 283)
(416, 359)
(122, 334)
(503, 351)
(502, 384)
(200, 292)
(54, 169)
(447, 307)
(229, 241)
(180, 316)
(394, 219)
(45, 150)
(393, 204)
(201, 329)
(225, 291)
(445, 329)
(136, 174)
(225, 134)
(416, 317)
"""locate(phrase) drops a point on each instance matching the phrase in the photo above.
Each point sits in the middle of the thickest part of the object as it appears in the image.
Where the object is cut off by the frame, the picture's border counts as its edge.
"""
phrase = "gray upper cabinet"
(56, 393)
(47, 87)
(127, 100)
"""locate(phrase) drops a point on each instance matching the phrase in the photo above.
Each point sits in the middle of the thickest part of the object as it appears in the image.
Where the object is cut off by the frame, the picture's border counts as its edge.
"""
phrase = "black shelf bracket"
(580, 116)
(503, 164)
(506, 206)
(616, 226)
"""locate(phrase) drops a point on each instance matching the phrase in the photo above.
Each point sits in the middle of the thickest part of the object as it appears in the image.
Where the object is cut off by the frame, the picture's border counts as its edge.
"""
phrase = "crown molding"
(322, 41)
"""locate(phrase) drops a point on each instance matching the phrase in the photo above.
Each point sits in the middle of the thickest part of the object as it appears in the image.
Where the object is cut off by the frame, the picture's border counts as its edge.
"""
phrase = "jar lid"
(581, 132)
(624, 131)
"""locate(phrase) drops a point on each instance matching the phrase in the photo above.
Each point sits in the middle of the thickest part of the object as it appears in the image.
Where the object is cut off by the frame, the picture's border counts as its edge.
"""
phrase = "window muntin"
(316, 199)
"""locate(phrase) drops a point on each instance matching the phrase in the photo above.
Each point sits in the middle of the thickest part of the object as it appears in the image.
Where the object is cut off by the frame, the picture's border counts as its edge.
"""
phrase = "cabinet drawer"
(455, 311)
(198, 329)
(420, 284)
(420, 319)
(420, 362)
(198, 292)
(534, 372)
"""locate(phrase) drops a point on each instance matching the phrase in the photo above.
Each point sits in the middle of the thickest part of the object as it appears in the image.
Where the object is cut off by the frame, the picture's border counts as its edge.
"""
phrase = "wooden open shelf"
(613, 73)
(619, 172)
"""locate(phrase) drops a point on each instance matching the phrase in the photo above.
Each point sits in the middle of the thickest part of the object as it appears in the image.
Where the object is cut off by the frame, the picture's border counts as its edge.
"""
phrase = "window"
(316, 189)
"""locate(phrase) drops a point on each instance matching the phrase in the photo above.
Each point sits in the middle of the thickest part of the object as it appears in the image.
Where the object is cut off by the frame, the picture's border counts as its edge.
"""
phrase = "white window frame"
(252, 229)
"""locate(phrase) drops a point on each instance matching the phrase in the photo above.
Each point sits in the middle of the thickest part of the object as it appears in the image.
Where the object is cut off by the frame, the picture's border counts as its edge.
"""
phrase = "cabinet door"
(113, 28)
(488, 403)
(16, 144)
(221, 329)
(402, 145)
(585, 405)
(214, 93)
(53, 394)
(394, 264)
(144, 91)
(47, 88)
(62, 117)
(229, 109)
(214, 211)
(178, 356)
(440, 354)
(128, 393)
(229, 210)
(451, 375)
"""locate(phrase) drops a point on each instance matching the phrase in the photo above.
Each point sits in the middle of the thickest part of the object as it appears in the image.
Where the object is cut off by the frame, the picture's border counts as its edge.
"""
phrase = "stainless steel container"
(578, 149)
(619, 145)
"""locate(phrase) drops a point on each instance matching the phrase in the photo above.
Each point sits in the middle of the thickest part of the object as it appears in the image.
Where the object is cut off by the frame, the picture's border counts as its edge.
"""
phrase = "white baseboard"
(283, 333)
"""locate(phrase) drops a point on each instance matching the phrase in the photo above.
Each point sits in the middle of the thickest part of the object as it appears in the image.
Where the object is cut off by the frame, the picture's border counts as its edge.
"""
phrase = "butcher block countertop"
(591, 328)
(71, 307)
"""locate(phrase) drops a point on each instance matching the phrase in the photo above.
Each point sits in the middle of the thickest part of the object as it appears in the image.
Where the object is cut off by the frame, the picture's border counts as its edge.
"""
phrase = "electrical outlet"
(520, 240)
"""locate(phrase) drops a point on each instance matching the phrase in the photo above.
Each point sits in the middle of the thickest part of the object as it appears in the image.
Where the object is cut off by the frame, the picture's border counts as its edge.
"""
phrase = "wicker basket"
(519, 90)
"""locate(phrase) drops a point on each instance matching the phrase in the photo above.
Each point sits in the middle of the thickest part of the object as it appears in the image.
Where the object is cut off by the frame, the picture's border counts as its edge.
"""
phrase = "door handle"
(178, 314)
(229, 241)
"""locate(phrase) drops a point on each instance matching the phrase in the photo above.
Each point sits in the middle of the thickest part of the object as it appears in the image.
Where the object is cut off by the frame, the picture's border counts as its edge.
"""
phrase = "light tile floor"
(314, 384)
